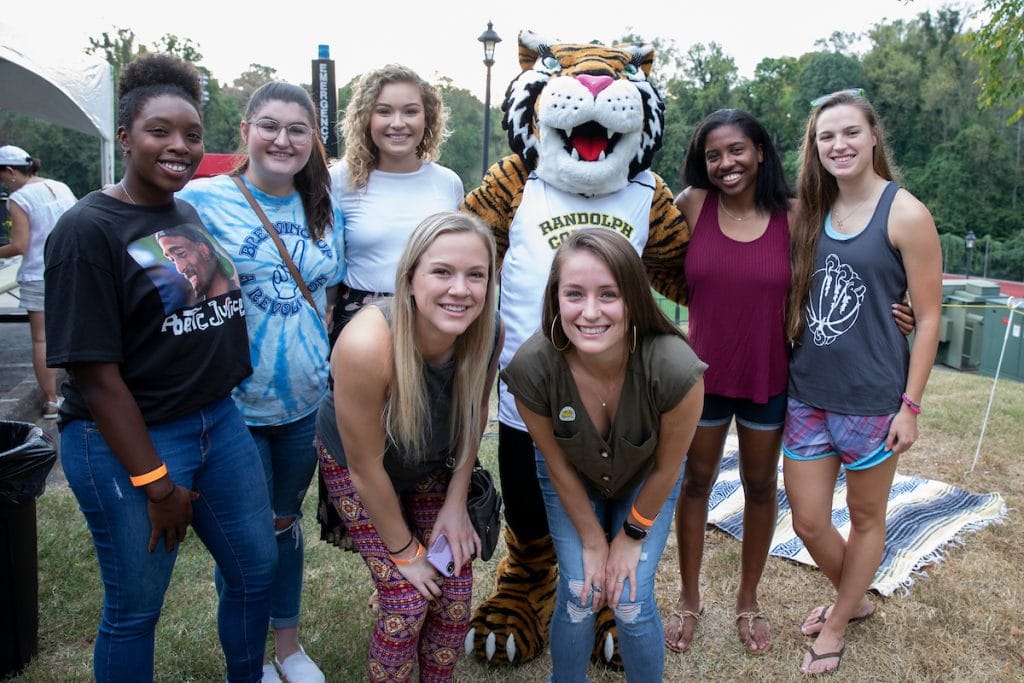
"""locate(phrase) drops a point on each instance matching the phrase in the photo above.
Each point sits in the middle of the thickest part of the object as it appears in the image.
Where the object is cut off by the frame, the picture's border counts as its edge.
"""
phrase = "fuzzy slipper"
(815, 657)
(681, 615)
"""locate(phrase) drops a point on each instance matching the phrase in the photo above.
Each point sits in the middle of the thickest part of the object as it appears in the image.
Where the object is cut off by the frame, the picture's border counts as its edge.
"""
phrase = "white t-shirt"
(380, 217)
(43, 202)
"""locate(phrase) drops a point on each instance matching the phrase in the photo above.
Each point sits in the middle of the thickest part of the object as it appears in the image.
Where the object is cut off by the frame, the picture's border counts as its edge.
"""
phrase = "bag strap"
(285, 256)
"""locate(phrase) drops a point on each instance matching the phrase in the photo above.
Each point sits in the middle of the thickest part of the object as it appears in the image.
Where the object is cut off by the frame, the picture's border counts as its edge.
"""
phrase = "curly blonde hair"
(360, 152)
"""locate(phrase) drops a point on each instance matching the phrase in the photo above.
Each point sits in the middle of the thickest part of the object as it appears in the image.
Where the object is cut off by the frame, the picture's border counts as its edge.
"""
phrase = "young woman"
(397, 440)
(34, 206)
(285, 170)
(388, 182)
(151, 440)
(610, 393)
(855, 388)
(738, 202)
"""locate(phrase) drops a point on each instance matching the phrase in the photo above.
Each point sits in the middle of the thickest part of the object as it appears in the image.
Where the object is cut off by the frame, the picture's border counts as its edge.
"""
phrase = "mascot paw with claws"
(583, 124)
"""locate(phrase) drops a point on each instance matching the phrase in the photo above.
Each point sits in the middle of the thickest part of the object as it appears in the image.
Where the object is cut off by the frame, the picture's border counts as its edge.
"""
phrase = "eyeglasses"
(854, 92)
(269, 129)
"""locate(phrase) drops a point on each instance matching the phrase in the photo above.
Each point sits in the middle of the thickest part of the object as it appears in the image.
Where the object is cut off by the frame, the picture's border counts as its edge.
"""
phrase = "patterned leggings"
(407, 623)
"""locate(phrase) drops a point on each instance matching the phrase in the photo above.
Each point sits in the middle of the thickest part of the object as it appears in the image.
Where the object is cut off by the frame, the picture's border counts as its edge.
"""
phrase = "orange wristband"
(643, 520)
(406, 563)
(149, 477)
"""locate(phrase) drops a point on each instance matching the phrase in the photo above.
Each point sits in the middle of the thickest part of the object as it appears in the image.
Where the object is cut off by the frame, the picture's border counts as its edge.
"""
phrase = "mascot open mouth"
(589, 142)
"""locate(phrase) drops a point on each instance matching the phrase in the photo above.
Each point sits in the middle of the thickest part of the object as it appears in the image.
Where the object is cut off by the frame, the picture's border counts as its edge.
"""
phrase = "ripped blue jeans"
(641, 633)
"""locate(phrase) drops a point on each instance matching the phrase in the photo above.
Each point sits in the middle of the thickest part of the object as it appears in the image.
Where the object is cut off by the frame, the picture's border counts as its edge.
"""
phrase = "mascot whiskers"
(583, 123)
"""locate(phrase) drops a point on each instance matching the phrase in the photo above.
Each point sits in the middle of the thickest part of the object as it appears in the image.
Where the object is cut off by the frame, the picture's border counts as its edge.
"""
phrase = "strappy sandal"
(681, 615)
(750, 616)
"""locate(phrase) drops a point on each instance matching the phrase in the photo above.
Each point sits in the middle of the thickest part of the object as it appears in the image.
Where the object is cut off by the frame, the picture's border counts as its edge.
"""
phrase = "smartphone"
(440, 555)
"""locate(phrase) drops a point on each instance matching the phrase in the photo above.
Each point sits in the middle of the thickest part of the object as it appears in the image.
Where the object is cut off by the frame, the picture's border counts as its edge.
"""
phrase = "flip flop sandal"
(815, 657)
(822, 618)
(681, 615)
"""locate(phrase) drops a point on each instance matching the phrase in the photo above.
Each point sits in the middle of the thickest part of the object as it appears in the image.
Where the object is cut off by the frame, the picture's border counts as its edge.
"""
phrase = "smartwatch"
(637, 533)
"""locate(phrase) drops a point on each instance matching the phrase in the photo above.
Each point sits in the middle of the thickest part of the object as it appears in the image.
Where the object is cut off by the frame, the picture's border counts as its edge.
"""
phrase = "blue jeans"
(641, 634)
(208, 451)
(289, 461)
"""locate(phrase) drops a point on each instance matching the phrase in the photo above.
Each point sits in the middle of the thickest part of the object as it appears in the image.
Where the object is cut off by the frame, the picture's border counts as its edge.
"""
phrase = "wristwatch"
(637, 533)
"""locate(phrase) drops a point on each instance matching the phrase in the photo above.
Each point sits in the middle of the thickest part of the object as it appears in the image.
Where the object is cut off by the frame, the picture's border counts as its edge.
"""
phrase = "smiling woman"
(288, 285)
(422, 402)
(151, 442)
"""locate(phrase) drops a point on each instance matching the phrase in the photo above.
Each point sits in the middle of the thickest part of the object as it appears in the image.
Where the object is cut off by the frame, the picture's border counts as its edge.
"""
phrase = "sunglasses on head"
(855, 92)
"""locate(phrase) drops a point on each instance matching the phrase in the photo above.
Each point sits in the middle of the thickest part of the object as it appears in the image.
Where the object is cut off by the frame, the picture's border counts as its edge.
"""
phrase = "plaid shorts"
(812, 434)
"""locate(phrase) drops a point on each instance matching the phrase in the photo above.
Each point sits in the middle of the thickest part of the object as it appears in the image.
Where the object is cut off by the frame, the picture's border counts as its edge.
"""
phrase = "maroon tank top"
(737, 304)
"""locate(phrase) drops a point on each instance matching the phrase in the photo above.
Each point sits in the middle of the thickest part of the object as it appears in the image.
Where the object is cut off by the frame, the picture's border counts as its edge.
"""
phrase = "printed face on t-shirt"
(186, 265)
(196, 262)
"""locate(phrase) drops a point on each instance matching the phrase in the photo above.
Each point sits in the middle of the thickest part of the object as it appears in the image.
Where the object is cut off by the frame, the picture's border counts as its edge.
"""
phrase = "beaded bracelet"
(915, 408)
(640, 518)
(149, 477)
(406, 563)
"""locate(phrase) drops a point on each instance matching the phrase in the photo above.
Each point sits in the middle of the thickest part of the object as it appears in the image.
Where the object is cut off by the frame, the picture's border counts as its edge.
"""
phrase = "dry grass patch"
(960, 622)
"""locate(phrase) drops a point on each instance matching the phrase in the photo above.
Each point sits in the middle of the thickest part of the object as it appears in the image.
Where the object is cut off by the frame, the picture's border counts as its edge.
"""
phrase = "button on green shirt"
(658, 374)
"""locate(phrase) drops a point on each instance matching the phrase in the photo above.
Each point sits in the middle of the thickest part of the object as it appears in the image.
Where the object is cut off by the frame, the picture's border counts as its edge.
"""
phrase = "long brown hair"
(627, 269)
(312, 182)
(818, 190)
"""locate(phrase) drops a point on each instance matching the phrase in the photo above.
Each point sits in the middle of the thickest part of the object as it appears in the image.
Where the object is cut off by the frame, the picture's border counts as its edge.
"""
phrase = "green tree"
(998, 48)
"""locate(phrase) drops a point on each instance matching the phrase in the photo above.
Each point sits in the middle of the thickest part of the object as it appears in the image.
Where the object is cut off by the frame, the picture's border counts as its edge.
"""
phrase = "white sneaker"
(270, 673)
(52, 409)
(299, 668)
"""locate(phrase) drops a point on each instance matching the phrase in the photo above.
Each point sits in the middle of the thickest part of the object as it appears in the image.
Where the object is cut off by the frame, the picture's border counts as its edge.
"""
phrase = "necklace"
(126, 192)
(839, 223)
(594, 385)
(733, 216)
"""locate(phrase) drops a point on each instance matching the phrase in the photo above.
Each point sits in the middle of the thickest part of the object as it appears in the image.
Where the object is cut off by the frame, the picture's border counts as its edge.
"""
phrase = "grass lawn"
(962, 621)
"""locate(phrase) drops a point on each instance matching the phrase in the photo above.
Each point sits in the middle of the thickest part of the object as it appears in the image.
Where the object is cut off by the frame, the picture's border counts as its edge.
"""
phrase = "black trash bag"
(27, 455)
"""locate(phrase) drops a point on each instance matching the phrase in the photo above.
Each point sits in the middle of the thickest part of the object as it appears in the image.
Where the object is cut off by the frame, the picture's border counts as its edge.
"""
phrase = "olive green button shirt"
(658, 374)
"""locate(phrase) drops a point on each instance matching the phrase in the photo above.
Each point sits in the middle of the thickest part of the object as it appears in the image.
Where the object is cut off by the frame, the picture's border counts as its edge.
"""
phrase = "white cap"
(14, 156)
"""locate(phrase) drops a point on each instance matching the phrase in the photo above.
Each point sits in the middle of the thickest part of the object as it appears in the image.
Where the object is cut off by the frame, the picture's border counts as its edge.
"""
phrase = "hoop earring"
(567, 342)
(632, 347)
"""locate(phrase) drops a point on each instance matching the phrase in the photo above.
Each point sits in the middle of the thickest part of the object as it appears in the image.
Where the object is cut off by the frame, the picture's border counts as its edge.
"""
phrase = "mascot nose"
(595, 84)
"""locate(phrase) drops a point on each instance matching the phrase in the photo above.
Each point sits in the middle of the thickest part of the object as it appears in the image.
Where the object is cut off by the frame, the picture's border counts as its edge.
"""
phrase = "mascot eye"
(630, 70)
(551, 63)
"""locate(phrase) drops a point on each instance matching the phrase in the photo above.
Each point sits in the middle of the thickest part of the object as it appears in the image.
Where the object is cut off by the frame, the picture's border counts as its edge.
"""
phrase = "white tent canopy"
(74, 93)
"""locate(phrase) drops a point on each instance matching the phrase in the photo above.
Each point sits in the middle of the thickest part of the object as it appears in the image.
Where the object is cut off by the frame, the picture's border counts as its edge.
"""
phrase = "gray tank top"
(852, 359)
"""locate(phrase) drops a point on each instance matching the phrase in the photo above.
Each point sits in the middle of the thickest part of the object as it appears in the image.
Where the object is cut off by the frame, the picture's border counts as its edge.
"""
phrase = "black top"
(113, 297)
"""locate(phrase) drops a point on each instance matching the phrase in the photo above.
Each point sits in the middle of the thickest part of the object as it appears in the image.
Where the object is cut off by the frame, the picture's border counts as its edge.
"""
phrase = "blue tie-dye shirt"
(287, 339)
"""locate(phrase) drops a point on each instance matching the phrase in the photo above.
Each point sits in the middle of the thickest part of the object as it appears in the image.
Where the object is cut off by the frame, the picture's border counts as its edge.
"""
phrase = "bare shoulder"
(689, 202)
(364, 346)
(909, 218)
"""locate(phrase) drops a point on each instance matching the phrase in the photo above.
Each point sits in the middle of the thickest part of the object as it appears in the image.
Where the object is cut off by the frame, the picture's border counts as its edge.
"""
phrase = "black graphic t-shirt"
(150, 289)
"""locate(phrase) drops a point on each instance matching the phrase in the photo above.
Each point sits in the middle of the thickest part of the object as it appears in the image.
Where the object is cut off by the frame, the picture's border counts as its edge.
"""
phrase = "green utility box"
(998, 318)
(962, 323)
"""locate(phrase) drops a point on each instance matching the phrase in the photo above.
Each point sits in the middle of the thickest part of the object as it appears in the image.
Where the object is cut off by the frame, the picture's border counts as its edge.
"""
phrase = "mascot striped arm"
(583, 123)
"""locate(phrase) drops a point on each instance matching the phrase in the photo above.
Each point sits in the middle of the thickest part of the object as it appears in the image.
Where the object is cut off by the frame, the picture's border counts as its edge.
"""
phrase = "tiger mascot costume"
(583, 122)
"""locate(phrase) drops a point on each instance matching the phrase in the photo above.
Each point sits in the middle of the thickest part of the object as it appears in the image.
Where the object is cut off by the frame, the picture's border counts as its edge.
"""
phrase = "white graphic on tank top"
(836, 296)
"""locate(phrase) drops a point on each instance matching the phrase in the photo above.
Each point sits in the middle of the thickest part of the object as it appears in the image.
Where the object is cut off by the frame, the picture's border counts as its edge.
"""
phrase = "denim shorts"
(812, 434)
(719, 410)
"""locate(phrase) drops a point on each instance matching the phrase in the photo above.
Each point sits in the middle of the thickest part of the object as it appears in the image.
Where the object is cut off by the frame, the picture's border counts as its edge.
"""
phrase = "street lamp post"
(968, 251)
(490, 39)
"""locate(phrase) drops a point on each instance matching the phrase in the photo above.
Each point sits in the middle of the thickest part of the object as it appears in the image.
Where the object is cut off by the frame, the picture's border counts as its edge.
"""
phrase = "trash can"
(27, 454)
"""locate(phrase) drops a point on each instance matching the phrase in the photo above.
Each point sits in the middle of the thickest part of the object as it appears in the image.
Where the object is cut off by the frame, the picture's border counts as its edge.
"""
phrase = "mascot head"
(584, 116)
